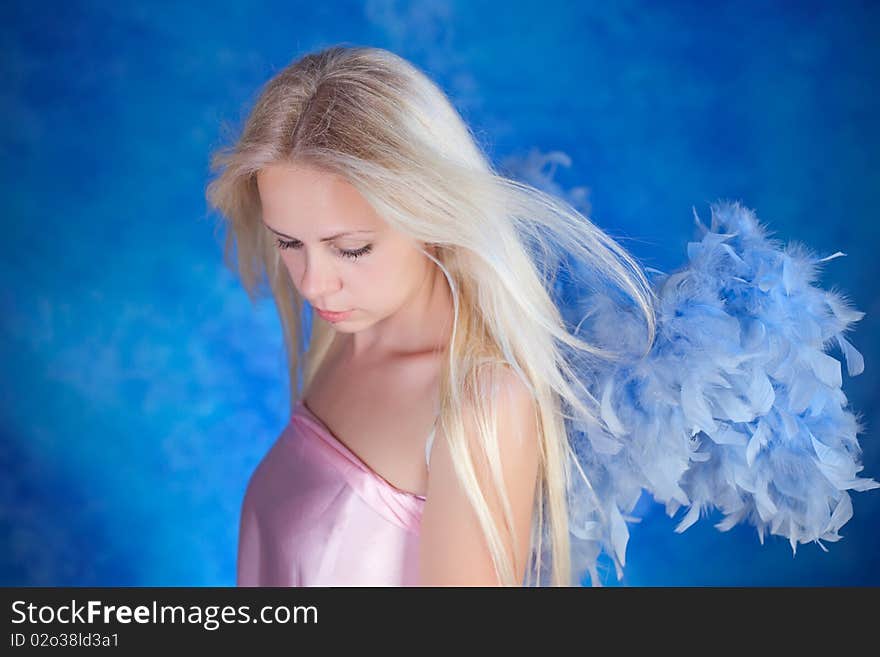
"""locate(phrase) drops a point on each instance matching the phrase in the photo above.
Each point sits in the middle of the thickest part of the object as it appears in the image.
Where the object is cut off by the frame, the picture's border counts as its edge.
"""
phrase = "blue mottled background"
(139, 384)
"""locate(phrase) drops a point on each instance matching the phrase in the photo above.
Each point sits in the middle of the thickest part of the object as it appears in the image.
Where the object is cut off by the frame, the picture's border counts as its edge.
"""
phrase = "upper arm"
(453, 548)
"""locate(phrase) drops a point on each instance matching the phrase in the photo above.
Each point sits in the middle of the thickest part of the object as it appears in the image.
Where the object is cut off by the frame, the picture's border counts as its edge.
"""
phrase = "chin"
(346, 327)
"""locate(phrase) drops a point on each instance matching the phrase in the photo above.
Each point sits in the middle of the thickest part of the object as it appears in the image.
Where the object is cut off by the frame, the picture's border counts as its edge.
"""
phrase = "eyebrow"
(323, 239)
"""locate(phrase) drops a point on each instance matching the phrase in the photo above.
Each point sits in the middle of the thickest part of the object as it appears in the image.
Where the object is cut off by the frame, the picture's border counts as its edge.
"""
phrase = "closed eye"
(352, 254)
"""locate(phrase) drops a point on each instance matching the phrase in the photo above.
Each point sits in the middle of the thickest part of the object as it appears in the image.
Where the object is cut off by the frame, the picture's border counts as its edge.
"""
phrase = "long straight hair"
(379, 122)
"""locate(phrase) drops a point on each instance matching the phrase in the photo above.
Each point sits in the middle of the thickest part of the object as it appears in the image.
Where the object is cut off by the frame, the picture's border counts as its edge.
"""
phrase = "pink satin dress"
(314, 514)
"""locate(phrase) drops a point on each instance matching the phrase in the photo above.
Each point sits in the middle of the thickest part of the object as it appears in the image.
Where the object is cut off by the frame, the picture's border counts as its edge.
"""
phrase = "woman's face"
(340, 254)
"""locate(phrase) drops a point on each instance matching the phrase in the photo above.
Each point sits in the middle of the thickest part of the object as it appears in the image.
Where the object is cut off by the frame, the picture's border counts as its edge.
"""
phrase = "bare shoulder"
(516, 410)
(453, 548)
(513, 393)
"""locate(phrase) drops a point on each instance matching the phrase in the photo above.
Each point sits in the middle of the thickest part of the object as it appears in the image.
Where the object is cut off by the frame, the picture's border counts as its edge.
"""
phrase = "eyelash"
(352, 255)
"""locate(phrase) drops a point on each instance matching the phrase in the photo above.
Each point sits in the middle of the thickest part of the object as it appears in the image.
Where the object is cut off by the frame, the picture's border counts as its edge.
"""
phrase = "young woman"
(484, 382)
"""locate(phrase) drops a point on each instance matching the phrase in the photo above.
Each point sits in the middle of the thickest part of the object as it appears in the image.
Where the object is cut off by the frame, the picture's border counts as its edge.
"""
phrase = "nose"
(318, 278)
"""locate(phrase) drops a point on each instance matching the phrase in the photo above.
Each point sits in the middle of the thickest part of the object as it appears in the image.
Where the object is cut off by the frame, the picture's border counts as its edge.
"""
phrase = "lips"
(331, 316)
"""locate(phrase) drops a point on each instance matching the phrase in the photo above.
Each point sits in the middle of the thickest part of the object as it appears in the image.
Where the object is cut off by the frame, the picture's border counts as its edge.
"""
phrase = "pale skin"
(377, 388)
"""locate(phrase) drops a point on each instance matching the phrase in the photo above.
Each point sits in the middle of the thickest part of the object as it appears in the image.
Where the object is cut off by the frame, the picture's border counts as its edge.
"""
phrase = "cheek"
(294, 267)
(370, 280)
(386, 280)
(407, 273)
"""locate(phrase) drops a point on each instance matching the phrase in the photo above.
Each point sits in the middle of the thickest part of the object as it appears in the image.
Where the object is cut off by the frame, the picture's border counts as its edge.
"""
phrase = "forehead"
(304, 198)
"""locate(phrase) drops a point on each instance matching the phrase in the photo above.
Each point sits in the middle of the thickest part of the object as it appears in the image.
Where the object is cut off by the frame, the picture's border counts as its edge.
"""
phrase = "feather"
(737, 405)
(855, 364)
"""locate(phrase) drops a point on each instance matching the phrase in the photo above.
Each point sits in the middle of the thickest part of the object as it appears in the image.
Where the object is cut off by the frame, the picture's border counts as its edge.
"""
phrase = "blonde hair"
(375, 119)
